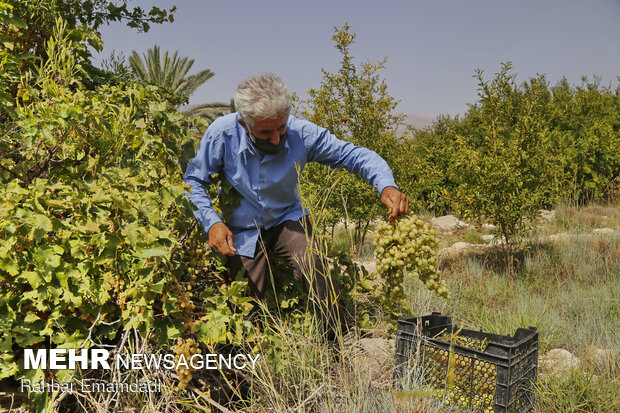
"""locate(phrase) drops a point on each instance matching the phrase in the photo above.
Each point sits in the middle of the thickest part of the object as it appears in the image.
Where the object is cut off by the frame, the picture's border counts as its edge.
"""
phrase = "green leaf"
(17, 22)
(47, 256)
(212, 328)
(9, 266)
(131, 232)
(152, 252)
(173, 332)
(33, 278)
(158, 287)
(90, 226)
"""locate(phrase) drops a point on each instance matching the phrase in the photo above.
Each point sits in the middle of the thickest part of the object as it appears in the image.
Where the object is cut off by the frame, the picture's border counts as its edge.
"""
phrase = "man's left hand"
(396, 201)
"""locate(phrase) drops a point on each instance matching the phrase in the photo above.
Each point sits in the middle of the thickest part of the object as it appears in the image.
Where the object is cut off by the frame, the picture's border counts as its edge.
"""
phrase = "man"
(259, 150)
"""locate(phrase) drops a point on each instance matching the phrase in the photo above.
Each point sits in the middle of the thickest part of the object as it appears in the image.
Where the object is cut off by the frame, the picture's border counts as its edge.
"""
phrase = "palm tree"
(171, 73)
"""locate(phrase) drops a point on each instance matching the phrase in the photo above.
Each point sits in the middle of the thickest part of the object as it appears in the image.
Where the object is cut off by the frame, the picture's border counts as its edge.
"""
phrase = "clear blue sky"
(433, 47)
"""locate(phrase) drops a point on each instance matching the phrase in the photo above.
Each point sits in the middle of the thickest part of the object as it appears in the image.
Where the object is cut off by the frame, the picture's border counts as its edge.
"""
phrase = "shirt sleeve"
(208, 160)
(326, 149)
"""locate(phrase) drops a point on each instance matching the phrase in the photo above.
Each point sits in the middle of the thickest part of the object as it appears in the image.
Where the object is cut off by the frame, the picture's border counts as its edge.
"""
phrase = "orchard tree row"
(519, 148)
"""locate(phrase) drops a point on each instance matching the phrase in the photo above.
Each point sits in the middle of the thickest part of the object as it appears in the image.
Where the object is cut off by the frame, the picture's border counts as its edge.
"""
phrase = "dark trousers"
(296, 244)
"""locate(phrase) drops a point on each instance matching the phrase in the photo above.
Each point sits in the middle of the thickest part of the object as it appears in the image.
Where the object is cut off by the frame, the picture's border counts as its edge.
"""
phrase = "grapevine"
(408, 246)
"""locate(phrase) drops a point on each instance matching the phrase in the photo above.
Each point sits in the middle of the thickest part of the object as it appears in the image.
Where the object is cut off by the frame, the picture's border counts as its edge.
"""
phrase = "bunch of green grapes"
(195, 255)
(114, 283)
(408, 246)
(185, 304)
(187, 348)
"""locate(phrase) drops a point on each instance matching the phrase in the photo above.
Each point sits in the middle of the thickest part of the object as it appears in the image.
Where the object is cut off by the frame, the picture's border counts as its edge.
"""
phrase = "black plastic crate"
(480, 371)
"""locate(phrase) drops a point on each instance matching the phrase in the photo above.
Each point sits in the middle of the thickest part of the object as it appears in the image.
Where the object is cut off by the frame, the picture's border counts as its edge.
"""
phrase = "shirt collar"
(244, 143)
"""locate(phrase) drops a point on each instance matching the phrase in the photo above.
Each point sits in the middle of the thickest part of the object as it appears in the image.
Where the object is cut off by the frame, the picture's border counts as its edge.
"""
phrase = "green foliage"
(503, 160)
(61, 125)
(353, 104)
(27, 25)
(210, 111)
(578, 390)
(586, 127)
(577, 126)
(40, 17)
(94, 221)
(423, 162)
(13, 60)
(170, 73)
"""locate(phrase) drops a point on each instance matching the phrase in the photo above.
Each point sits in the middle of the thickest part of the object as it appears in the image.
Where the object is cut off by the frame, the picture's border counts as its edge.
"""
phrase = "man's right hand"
(221, 239)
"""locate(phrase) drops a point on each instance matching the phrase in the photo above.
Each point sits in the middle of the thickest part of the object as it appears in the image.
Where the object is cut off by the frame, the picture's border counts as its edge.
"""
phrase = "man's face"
(270, 130)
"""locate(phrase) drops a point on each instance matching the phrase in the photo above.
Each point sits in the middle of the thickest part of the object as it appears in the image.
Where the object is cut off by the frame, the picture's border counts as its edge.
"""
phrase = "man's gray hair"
(263, 96)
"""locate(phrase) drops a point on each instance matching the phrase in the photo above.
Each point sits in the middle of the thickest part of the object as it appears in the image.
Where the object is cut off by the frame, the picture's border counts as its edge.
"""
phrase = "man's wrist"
(389, 185)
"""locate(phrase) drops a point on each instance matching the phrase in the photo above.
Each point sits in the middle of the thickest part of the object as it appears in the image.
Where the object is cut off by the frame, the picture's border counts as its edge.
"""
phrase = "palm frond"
(169, 71)
(194, 81)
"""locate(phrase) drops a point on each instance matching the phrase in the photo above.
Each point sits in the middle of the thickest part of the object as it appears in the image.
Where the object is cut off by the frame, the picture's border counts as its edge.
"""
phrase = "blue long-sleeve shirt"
(268, 183)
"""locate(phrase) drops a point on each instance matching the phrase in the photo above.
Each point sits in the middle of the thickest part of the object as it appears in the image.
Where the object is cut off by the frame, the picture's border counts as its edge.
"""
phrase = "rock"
(546, 215)
(559, 361)
(561, 237)
(448, 223)
(460, 246)
(378, 348)
(371, 266)
(603, 231)
(373, 354)
(605, 359)
(488, 227)
(493, 239)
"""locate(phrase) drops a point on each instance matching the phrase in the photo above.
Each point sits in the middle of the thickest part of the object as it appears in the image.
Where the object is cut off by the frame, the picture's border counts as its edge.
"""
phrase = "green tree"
(424, 161)
(355, 105)
(41, 15)
(26, 26)
(170, 72)
(503, 159)
(586, 128)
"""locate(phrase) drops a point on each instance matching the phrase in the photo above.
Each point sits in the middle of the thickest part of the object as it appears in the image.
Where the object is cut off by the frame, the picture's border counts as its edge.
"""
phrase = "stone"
(448, 223)
(371, 266)
(488, 227)
(561, 237)
(603, 231)
(493, 239)
(546, 215)
(373, 355)
(559, 361)
(460, 246)
(606, 359)
(378, 348)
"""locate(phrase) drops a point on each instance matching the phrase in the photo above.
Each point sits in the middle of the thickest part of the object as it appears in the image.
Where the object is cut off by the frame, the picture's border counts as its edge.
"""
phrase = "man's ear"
(243, 125)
